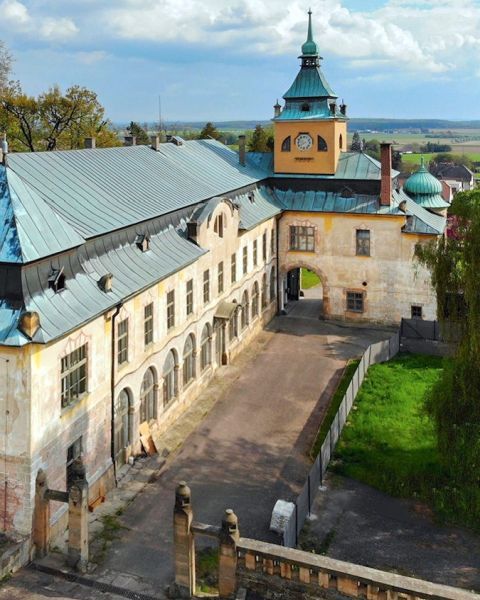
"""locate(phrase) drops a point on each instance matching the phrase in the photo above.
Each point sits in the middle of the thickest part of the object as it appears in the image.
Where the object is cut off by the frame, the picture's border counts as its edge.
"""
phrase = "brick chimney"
(386, 172)
(155, 142)
(130, 140)
(89, 142)
(241, 150)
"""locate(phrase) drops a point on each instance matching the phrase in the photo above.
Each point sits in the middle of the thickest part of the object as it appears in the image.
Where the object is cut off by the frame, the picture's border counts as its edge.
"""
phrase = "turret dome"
(309, 47)
(422, 182)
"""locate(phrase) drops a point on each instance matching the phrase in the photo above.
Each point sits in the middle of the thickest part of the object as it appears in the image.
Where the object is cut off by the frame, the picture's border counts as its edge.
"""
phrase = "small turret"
(277, 109)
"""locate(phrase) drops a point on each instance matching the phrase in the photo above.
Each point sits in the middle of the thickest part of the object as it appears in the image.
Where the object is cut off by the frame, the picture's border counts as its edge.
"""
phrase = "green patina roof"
(422, 182)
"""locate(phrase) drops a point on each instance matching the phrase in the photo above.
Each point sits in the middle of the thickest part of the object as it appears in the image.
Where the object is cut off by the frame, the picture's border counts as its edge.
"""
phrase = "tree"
(356, 145)
(397, 160)
(259, 140)
(54, 121)
(138, 132)
(5, 66)
(209, 131)
(453, 403)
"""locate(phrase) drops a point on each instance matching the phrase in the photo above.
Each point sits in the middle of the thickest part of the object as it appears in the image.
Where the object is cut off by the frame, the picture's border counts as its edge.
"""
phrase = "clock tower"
(311, 129)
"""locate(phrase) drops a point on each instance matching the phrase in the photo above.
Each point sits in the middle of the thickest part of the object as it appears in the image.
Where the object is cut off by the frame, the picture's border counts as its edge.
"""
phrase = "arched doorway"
(304, 293)
(123, 426)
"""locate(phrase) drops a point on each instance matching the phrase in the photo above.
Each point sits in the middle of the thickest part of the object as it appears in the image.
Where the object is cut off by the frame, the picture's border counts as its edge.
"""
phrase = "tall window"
(273, 281)
(122, 429)
(340, 141)
(148, 324)
(255, 253)
(363, 242)
(287, 144)
(219, 225)
(169, 378)
(206, 348)
(171, 309)
(321, 144)
(244, 318)
(148, 396)
(245, 260)
(188, 360)
(302, 238)
(122, 342)
(264, 246)
(233, 326)
(220, 277)
(189, 297)
(74, 375)
(206, 286)
(272, 242)
(355, 302)
(264, 291)
(233, 268)
(255, 301)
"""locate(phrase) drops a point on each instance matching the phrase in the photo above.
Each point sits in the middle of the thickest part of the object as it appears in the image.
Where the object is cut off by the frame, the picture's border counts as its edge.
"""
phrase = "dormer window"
(251, 197)
(287, 144)
(219, 225)
(143, 242)
(56, 280)
(305, 107)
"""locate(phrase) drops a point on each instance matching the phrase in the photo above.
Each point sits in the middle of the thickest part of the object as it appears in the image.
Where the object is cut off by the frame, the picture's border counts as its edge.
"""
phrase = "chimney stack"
(241, 150)
(277, 109)
(89, 142)
(386, 173)
(155, 142)
(130, 140)
(343, 108)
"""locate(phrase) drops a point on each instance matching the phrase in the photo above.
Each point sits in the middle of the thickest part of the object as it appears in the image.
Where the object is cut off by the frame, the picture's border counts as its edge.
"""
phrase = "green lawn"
(389, 441)
(309, 279)
(414, 158)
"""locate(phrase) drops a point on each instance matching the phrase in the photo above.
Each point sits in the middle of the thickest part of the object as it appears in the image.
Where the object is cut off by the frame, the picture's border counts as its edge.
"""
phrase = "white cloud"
(19, 19)
(90, 58)
(429, 36)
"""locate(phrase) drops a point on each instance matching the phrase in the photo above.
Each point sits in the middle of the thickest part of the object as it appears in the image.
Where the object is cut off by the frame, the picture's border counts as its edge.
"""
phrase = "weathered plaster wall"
(394, 280)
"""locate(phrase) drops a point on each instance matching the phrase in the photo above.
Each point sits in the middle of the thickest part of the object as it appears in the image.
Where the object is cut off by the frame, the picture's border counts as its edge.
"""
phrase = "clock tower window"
(321, 144)
(287, 144)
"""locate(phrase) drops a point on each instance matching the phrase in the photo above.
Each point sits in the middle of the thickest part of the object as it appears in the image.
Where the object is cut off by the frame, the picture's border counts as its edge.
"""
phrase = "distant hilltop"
(353, 124)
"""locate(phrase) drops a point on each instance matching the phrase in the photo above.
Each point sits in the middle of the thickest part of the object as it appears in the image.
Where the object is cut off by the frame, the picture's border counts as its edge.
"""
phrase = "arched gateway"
(302, 282)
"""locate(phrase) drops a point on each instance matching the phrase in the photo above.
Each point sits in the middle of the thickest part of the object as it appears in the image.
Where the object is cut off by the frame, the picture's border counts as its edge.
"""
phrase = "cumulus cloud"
(416, 36)
(18, 18)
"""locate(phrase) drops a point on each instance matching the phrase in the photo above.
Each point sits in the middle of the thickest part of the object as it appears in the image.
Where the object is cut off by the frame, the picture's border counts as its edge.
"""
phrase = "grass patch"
(111, 531)
(206, 570)
(390, 442)
(309, 279)
(334, 404)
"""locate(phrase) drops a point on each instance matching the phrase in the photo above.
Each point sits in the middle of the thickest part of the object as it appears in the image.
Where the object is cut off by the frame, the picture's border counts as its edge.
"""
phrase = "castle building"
(129, 275)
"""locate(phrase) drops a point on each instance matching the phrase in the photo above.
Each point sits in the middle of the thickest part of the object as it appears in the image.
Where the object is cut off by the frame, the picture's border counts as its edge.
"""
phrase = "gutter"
(112, 394)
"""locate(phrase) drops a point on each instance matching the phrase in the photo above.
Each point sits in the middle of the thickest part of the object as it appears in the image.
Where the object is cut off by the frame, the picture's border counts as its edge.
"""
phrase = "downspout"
(112, 395)
(277, 244)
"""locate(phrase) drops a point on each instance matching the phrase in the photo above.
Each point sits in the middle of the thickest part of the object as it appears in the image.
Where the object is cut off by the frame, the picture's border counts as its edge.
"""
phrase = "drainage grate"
(91, 583)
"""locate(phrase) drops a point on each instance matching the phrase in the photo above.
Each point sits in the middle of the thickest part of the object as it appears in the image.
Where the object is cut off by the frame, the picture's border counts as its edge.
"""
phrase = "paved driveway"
(250, 449)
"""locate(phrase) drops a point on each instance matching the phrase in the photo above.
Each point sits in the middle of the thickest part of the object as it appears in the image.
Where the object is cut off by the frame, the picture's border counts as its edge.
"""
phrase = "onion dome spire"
(310, 48)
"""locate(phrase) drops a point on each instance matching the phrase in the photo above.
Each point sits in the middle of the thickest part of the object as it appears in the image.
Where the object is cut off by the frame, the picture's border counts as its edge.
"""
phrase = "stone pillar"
(78, 519)
(227, 567)
(184, 545)
(41, 516)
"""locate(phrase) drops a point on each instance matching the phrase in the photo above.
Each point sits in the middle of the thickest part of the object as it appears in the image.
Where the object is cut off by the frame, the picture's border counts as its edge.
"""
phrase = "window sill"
(71, 405)
(302, 251)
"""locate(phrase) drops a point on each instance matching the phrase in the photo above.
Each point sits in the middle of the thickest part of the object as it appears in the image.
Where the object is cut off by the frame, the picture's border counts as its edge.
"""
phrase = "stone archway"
(285, 269)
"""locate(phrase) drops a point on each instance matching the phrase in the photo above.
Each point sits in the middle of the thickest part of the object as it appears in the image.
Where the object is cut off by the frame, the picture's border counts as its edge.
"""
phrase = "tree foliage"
(137, 131)
(5, 66)
(258, 141)
(53, 120)
(356, 145)
(209, 131)
(454, 403)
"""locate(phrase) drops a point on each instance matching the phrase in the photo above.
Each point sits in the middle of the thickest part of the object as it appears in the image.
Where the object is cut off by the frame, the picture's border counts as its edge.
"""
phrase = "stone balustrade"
(293, 573)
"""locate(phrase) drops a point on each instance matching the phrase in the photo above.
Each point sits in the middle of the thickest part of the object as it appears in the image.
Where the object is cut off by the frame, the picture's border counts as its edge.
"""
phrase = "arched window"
(122, 425)
(169, 378)
(206, 347)
(255, 301)
(340, 142)
(219, 225)
(305, 107)
(148, 396)
(321, 144)
(273, 292)
(244, 318)
(264, 291)
(189, 360)
(287, 144)
(233, 326)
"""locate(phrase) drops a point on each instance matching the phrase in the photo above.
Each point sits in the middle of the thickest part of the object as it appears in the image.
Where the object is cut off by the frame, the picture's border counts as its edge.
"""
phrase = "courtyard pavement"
(247, 449)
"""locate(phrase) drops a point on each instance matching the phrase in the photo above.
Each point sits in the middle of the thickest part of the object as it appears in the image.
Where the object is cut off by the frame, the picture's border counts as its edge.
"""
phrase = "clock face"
(304, 141)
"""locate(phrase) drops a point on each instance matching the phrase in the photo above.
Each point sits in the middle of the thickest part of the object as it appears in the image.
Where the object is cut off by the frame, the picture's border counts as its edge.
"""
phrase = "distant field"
(414, 159)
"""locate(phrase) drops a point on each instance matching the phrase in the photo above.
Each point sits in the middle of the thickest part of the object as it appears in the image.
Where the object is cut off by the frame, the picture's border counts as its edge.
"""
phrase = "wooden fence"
(376, 353)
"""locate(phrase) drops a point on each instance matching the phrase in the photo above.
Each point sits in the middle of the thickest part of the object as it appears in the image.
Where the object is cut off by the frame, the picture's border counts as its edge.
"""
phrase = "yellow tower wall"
(309, 162)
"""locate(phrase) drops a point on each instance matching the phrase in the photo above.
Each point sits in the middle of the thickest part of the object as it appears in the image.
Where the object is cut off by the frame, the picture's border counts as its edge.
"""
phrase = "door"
(220, 344)
(293, 284)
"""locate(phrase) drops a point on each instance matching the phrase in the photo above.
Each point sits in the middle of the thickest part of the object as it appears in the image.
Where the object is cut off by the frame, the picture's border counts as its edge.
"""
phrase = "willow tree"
(454, 402)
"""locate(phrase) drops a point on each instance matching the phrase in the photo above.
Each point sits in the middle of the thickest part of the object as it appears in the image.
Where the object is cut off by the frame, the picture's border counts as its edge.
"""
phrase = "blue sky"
(218, 60)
